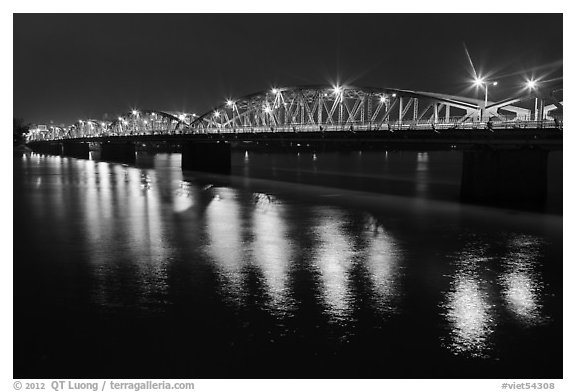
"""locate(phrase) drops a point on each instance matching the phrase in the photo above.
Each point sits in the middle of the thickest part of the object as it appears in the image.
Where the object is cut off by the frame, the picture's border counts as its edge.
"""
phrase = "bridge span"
(327, 109)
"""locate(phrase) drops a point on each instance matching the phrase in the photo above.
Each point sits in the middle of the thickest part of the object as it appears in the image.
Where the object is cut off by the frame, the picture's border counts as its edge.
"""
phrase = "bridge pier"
(76, 150)
(118, 152)
(505, 178)
(212, 157)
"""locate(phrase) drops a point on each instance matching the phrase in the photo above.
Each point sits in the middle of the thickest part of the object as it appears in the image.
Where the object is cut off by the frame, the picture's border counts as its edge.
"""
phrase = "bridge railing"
(388, 126)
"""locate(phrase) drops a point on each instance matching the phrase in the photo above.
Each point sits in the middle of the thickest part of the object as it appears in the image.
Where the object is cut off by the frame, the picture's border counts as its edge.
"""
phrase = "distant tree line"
(20, 128)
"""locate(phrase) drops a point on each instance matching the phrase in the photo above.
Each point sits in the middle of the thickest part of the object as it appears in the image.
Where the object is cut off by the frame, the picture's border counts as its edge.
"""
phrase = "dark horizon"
(72, 66)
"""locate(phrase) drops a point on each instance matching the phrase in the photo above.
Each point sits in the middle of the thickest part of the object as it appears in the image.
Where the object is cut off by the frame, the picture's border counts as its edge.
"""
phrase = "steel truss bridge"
(326, 109)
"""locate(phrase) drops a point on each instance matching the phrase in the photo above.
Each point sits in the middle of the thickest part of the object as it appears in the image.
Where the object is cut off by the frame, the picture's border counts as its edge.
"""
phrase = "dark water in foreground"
(130, 272)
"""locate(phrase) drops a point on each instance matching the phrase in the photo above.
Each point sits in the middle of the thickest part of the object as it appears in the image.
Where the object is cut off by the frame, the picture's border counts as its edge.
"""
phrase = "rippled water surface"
(143, 271)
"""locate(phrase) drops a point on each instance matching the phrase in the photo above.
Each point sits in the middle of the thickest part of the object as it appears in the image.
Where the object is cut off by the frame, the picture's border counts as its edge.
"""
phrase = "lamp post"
(485, 84)
(531, 85)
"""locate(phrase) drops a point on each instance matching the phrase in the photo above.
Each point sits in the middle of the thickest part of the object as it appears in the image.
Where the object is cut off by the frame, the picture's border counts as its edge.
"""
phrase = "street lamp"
(531, 84)
(485, 84)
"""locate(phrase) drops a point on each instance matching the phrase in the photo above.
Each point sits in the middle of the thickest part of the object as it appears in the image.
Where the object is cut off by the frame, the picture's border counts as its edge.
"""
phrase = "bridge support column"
(212, 157)
(118, 152)
(76, 150)
(506, 178)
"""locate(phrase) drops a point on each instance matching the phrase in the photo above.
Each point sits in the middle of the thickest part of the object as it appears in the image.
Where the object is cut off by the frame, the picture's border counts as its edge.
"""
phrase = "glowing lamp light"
(531, 84)
(382, 98)
(394, 95)
(337, 90)
(216, 114)
(275, 91)
(267, 109)
(478, 81)
(230, 103)
(134, 112)
(120, 119)
(145, 122)
(182, 117)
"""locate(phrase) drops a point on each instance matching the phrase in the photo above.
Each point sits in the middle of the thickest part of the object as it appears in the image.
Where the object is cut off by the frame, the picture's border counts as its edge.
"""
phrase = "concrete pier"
(118, 152)
(212, 157)
(506, 178)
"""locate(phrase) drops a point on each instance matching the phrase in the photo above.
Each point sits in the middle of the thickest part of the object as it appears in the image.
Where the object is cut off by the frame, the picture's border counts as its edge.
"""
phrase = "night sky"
(70, 66)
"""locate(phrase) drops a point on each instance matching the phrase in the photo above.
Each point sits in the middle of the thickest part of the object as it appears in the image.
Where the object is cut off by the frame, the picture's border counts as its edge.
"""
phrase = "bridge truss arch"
(326, 108)
(146, 122)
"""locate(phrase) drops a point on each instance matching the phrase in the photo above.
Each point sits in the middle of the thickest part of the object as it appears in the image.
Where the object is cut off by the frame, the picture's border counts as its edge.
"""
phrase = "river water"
(299, 265)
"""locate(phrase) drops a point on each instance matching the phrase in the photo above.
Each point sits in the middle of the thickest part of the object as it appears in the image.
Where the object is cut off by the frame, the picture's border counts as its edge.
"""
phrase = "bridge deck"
(455, 138)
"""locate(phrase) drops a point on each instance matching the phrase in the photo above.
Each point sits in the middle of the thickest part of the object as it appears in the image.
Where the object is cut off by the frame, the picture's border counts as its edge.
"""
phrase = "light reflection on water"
(422, 175)
(468, 307)
(473, 305)
(125, 239)
(225, 244)
(383, 260)
(272, 251)
(333, 257)
(522, 285)
(182, 197)
(351, 259)
(264, 245)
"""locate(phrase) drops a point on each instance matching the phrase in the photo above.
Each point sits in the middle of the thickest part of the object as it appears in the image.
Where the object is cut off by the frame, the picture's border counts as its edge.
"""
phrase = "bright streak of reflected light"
(382, 261)
(225, 245)
(521, 283)
(520, 295)
(467, 307)
(272, 252)
(469, 314)
(182, 197)
(116, 204)
(104, 188)
(333, 258)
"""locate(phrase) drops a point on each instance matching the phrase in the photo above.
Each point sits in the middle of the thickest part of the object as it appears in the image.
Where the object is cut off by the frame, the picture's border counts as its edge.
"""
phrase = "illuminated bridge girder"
(146, 122)
(141, 122)
(323, 108)
(320, 108)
